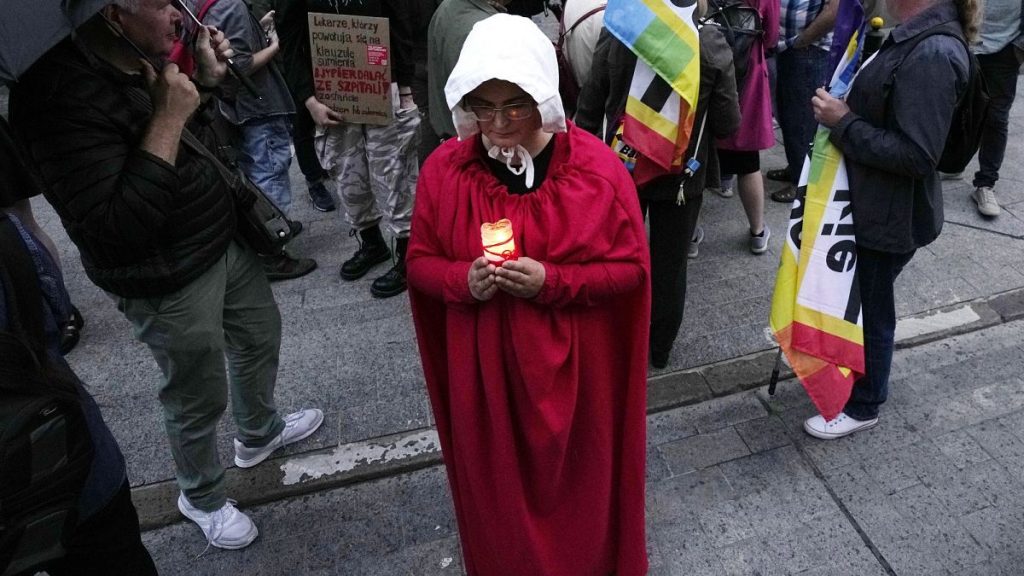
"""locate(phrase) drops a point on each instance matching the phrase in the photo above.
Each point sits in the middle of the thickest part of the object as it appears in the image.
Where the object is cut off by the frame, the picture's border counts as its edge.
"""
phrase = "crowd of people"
(535, 350)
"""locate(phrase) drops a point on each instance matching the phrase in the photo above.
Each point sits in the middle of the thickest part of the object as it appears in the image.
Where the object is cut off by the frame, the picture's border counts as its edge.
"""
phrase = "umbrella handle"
(242, 78)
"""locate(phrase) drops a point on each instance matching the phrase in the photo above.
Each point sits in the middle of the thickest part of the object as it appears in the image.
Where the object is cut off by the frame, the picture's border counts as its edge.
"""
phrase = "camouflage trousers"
(375, 169)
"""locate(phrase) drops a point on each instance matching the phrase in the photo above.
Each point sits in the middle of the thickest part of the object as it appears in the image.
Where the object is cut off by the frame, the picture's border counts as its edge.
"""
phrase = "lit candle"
(498, 241)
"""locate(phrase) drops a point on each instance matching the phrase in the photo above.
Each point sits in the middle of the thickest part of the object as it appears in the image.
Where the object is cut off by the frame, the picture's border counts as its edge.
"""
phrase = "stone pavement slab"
(744, 491)
(355, 356)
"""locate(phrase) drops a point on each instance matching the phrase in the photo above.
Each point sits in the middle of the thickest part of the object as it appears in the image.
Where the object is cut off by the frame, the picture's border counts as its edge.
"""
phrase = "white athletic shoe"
(297, 426)
(985, 198)
(226, 527)
(840, 426)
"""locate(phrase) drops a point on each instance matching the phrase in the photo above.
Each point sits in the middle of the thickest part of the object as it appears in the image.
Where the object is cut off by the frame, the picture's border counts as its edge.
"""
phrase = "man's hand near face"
(175, 98)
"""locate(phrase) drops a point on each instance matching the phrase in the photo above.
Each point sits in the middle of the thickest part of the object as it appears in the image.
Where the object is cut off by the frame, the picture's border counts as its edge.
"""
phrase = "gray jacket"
(894, 134)
(232, 17)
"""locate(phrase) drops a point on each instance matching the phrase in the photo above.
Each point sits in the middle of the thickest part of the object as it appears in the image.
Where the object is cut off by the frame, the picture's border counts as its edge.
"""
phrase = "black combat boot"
(372, 251)
(393, 282)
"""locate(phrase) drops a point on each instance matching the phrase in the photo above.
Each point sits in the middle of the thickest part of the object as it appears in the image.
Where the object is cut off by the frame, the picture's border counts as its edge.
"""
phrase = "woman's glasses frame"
(512, 112)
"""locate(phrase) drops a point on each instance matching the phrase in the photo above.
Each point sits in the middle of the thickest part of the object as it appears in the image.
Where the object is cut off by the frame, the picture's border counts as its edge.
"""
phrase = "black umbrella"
(29, 28)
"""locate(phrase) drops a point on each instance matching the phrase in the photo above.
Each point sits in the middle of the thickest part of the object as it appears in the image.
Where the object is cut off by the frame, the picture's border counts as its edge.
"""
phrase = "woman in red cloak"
(536, 366)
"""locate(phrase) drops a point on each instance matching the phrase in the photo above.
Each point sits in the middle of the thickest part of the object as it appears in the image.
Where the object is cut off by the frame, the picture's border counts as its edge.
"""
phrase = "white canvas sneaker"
(297, 426)
(226, 527)
(985, 198)
(838, 427)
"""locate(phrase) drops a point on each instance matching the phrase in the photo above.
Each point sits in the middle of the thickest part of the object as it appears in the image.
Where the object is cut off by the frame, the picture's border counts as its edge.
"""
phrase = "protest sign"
(352, 66)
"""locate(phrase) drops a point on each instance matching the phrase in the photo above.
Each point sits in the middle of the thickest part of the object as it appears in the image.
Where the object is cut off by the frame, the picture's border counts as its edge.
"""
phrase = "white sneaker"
(224, 528)
(841, 426)
(694, 248)
(985, 198)
(759, 244)
(723, 191)
(297, 426)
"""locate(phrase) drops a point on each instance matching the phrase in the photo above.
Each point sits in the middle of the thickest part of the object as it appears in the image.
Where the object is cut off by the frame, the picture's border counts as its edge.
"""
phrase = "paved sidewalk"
(355, 357)
(734, 487)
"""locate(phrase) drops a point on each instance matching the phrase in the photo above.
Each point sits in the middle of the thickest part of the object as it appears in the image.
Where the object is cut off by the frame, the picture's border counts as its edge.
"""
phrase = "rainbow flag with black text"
(662, 100)
(816, 309)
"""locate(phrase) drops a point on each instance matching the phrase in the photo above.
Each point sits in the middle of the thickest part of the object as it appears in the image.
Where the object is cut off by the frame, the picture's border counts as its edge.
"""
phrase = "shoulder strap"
(562, 32)
(188, 138)
(206, 8)
(940, 30)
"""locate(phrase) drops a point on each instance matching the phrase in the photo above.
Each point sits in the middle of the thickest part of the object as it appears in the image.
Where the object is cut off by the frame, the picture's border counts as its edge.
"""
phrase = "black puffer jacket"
(144, 228)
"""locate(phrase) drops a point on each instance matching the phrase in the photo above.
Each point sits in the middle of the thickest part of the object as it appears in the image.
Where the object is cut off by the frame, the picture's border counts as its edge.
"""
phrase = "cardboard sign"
(352, 66)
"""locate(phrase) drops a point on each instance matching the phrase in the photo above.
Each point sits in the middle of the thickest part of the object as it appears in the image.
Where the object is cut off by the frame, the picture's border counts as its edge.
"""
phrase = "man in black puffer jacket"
(155, 225)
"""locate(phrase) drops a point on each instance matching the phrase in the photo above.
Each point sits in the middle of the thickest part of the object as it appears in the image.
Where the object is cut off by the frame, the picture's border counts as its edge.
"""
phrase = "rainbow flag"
(662, 98)
(816, 309)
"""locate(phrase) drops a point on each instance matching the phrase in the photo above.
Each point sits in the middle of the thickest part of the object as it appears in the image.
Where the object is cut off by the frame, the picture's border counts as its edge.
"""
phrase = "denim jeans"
(876, 276)
(800, 71)
(1000, 72)
(266, 155)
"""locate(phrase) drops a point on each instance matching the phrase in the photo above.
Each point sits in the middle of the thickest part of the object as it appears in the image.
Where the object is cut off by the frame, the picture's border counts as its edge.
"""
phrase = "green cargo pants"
(230, 312)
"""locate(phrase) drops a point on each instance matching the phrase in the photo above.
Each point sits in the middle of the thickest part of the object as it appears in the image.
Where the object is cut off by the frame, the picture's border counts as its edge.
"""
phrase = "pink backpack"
(181, 54)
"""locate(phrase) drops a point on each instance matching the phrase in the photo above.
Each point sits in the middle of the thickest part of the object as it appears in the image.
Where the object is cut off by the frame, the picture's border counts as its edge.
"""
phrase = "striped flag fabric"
(816, 309)
(662, 100)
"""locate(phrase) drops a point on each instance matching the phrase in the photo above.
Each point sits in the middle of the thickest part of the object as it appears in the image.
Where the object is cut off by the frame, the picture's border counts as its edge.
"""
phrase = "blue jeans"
(266, 155)
(1000, 72)
(800, 71)
(876, 275)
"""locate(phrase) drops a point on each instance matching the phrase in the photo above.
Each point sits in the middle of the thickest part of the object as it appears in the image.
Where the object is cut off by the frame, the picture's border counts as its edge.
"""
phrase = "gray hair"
(130, 6)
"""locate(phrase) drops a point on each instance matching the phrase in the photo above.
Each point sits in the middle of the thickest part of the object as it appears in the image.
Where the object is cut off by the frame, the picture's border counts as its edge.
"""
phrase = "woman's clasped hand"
(522, 278)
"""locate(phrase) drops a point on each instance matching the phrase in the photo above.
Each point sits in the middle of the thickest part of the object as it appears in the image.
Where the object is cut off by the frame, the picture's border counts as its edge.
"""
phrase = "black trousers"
(671, 227)
(107, 543)
(1000, 71)
(303, 131)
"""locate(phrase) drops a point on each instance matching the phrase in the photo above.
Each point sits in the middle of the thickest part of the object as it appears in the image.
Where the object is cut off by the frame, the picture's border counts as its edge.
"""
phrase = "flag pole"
(775, 373)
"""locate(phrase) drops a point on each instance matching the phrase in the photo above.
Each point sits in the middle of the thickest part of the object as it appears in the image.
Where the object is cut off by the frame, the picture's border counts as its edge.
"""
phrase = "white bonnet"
(510, 48)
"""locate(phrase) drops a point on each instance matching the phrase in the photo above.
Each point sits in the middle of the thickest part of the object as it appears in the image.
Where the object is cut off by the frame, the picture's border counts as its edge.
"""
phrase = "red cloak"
(540, 403)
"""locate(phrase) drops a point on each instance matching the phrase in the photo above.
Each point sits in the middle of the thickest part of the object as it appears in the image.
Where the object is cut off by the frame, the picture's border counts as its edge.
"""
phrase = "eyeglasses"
(513, 112)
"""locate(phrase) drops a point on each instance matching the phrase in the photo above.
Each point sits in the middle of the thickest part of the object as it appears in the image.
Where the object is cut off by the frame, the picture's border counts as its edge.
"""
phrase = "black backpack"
(971, 110)
(45, 446)
(741, 25)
